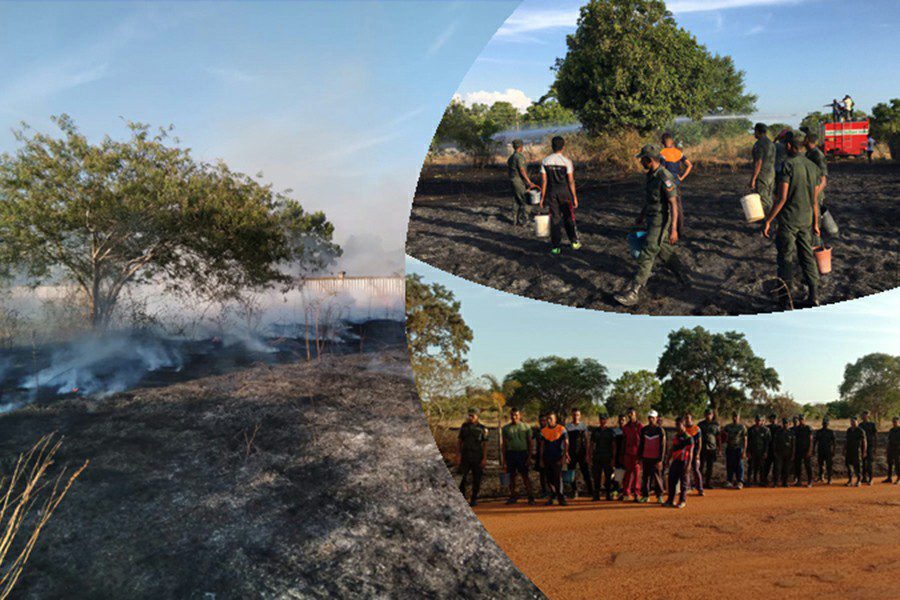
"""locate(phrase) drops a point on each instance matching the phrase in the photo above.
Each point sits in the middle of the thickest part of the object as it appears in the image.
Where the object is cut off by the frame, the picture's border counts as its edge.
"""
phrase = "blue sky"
(798, 54)
(808, 348)
(335, 100)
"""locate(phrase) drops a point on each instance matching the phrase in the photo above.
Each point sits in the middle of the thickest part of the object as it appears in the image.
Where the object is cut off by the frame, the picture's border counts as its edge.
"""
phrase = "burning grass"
(311, 480)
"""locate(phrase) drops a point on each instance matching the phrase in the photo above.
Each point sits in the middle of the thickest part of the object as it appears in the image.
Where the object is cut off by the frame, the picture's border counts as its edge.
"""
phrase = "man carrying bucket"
(518, 179)
(763, 180)
(797, 210)
(661, 214)
(516, 451)
(815, 154)
(558, 192)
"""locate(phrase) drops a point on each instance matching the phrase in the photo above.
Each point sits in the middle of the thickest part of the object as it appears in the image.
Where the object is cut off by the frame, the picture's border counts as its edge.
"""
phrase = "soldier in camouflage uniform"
(516, 169)
(471, 453)
(854, 451)
(803, 448)
(824, 444)
(758, 442)
(797, 212)
(661, 214)
(709, 447)
(893, 451)
(770, 456)
(784, 454)
(763, 181)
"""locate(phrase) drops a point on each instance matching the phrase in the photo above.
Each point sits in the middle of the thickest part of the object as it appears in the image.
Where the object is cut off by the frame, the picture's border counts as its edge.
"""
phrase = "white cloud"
(523, 22)
(689, 6)
(756, 30)
(515, 97)
(442, 39)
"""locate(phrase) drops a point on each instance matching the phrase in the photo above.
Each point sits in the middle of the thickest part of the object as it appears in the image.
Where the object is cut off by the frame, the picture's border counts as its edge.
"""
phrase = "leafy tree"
(438, 340)
(681, 395)
(873, 383)
(504, 114)
(471, 129)
(111, 215)
(782, 405)
(885, 125)
(814, 119)
(547, 112)
(723, 364)
(494, 396)
(629, 65)
(560, 384)
(839, 409)
(640, 389)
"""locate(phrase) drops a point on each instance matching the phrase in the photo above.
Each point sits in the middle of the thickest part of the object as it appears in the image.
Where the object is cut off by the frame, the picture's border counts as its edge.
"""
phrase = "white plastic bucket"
(753, 208)
(542, 225)
(533, 196)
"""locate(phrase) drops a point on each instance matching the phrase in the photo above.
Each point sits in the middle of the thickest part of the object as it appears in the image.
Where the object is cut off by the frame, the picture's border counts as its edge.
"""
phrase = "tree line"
(697, 369)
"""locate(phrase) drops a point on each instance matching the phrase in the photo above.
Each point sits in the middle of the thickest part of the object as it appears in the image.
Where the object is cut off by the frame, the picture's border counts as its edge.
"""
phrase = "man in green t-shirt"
(763, 180)
(735, 451)
(516, 450)
(471, 453)
(517, 172)
(797, 212)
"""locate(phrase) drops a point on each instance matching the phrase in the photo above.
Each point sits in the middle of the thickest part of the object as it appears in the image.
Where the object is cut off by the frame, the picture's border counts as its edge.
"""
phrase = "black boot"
(813, 298)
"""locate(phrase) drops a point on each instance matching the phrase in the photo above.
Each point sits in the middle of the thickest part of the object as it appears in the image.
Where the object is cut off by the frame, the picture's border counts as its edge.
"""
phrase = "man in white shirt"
(558, 193)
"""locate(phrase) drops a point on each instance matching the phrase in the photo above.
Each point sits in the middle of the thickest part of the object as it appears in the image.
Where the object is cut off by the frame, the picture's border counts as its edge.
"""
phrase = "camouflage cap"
(826, 420)
(785, 420)
(473, 410)
(895, 418)
(854, 418)
(650, 150)
(796, 136)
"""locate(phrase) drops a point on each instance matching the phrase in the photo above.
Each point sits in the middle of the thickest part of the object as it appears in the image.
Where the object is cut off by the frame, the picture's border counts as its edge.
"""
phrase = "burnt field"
(461, 222)
(304, 480)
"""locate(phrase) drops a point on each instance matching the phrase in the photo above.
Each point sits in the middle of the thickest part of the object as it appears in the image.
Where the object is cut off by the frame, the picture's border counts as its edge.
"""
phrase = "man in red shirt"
(632, 432)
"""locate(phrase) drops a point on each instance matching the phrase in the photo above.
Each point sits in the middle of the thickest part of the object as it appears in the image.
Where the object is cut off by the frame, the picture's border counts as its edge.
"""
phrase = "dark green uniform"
(709, 445)
(803, 443)
(521, 208)
(758, 441)
(795, 220)
(869, 459)
(853, 452)
(660, 188)
(764, 150)
(825, 443)
(780, 157)
(770, 456)
(603, 442)
(893, 452)
(472, 437)
(784, 455)
(818, 158)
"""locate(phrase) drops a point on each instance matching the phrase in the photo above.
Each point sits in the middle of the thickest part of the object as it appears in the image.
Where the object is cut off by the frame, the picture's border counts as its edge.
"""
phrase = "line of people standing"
(628, 461)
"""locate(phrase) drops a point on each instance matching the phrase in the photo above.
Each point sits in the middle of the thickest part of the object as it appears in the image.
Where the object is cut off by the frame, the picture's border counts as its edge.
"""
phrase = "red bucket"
(823, 259)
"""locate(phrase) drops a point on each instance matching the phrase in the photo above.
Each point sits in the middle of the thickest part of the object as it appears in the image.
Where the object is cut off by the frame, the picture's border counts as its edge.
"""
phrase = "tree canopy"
(560, 384)
(722, 366)
(471, 129)
(638, 389)
(873, 383)
(629, 65)
(885, 125)
(438, 338)
(548, 111)
(109, 215)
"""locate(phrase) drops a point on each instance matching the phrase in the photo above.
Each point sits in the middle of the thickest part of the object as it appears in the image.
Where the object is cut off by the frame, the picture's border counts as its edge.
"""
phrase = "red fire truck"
(844, 139)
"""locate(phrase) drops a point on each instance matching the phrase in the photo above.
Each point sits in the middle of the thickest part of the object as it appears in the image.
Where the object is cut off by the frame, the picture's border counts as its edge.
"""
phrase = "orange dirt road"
(826, 542)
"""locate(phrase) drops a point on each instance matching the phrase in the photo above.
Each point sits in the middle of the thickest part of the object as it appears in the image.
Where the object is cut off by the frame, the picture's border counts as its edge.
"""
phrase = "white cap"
(653, 413)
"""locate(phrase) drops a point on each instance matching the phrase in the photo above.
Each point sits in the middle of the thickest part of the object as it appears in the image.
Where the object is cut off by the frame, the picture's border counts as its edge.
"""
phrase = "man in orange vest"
(672, 159)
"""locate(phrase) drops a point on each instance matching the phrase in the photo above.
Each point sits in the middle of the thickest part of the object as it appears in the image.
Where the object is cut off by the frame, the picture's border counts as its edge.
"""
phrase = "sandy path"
(828, 542)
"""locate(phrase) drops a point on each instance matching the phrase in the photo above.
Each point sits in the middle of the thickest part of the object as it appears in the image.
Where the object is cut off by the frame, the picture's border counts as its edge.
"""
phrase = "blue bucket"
(636, 243)
(569, 476)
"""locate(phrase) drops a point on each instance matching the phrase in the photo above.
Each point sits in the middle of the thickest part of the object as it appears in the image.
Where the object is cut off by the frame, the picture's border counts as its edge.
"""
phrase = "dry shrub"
(606, 151)
(21, 491)
(730, 151)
